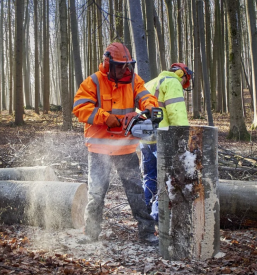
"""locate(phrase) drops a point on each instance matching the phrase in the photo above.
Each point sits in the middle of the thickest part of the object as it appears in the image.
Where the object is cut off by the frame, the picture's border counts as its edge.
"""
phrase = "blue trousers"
(149, 162)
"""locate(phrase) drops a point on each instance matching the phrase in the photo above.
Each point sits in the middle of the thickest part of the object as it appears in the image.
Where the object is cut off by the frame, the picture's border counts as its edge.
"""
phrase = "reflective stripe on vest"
(169, 101)
(83, 100)
(107, 141)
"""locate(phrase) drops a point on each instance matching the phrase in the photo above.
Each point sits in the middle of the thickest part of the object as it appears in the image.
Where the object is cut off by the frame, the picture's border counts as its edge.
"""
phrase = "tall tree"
(75, 43)
(46, 69)
(138, 39)
(237, 124)
(36, 58)
(150, 32)
(204, 62)
(18, 60)
(64, 66)
(10, 60)
(252, 30)
(172, 35)
(2, 80)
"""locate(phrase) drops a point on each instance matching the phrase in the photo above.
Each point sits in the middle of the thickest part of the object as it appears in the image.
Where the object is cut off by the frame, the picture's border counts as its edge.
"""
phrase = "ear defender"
(179, 73)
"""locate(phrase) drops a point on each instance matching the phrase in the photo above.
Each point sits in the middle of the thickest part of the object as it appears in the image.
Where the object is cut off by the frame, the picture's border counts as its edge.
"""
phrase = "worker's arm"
(85, 104)
(174, 102)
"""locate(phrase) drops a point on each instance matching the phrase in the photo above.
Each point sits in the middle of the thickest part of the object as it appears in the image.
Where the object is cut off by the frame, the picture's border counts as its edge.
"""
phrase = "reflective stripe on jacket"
(96, 98)
(169, 91)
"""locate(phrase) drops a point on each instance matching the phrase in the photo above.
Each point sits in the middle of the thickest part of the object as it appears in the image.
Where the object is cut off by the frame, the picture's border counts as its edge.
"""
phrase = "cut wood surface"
(34, 173)
(50, 204)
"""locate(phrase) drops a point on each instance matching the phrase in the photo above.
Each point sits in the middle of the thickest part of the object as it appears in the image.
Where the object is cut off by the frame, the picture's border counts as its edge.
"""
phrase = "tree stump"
(49, 204)
(238, 203)
(187, 168)
(35, 173)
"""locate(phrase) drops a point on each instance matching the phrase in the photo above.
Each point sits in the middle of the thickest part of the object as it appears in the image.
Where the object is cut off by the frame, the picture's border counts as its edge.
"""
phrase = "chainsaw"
(140, 125)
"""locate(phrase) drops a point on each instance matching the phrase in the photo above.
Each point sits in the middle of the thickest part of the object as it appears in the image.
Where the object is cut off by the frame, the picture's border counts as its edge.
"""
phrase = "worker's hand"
(149, 107)
(112, 121)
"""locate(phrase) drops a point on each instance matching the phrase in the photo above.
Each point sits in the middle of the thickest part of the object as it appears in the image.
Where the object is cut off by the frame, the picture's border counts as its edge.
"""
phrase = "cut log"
(49, 204)
(238, 203)
(35, 173)
(187, 174)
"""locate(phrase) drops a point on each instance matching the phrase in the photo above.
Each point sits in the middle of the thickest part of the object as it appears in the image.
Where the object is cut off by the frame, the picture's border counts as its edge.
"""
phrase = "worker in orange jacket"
(101, 102)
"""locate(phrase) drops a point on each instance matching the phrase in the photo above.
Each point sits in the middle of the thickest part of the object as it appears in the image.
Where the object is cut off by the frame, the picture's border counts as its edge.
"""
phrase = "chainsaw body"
(140, 126)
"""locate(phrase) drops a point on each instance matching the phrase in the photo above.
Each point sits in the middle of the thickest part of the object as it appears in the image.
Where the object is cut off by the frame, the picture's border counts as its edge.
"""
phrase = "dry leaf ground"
(32, 250)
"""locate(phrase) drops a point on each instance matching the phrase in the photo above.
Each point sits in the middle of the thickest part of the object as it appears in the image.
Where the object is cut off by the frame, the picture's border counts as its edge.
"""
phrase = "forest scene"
(47, 49)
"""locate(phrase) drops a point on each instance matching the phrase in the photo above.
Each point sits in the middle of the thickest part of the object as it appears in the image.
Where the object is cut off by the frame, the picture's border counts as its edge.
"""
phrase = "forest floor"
(33, 250)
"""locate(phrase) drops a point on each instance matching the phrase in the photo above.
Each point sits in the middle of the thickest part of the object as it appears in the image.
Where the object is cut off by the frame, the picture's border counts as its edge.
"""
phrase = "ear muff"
(179, 73)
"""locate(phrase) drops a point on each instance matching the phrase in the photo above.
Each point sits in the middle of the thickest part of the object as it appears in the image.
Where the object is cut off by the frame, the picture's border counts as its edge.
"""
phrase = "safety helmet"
(182, 70)
(118, 63)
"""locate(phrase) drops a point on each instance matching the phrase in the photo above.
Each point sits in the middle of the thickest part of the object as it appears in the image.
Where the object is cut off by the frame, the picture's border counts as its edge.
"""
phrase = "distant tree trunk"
(75, 43)
(64, 66)
(172, 36)
(10, 60)
(25, 54)
(138, 39)
(160, 37)
(179, 30)
(197, 85)
(204, 62)
(89, 41)
(118, 18)
(237, 124)
(251, 20)
(99, 28)
(208, 35)
(18, 60)
(111, 26)
(127, 40)
(94, 40)
(149, 7)
(46, 70)
(2, 78)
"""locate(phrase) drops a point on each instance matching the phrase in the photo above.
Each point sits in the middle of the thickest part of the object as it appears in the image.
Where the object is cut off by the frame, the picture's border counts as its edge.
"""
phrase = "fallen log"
(35, 173)
(49, 204)
(238, 203)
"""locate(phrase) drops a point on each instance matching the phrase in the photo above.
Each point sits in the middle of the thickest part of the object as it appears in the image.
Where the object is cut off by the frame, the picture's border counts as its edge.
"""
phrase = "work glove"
(112, 121)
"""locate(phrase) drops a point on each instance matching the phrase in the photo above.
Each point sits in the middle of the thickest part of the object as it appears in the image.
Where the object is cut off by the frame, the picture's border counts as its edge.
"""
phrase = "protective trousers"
(127, 167)
(149, 161)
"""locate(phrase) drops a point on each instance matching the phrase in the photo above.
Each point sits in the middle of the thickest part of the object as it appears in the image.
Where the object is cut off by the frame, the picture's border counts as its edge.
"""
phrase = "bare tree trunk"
(251, 19)
(111, 26)
(160, 37)
(237, 124)
(75, 43)
(204, 63)
(99, 28)
(10, 60)
(127, 40)
(64, 66)
(179, 29)
(150, 34)
(172, 36)
(197, 84)
(46, 70)
(2, 78)
(18, 60)
(138, 39)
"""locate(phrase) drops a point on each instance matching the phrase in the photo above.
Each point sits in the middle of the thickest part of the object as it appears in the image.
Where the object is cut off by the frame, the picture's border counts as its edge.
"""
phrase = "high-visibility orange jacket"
(97, 98)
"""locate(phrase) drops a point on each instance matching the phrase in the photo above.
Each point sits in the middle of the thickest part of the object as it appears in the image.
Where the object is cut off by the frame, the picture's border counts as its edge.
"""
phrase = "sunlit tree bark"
(237, 124)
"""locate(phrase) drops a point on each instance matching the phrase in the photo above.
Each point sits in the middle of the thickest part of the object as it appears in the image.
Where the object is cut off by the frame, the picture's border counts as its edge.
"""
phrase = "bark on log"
(35, 173)
(187, 163)
(48, 204)
(238, 203)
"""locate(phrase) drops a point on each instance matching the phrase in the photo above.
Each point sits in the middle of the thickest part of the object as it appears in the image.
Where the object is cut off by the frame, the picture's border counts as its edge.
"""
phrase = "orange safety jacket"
(97, 98)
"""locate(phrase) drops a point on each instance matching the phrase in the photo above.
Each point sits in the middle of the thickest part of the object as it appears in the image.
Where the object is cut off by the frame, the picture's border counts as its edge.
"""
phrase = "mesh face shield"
(121, 72)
